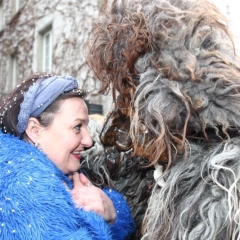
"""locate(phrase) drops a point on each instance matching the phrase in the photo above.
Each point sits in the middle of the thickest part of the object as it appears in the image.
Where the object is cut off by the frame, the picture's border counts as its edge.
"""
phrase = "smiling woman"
(68, 131)
(43, 132)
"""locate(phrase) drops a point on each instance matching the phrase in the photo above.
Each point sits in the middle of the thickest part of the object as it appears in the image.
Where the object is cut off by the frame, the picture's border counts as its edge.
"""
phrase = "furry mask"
(175, 80)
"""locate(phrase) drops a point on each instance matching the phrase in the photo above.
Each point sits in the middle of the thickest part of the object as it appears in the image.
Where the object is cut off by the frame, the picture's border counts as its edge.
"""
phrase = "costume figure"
(175, 79)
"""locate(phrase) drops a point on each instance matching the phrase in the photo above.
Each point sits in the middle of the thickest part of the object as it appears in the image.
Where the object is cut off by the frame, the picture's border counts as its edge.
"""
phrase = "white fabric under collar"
(157, 174)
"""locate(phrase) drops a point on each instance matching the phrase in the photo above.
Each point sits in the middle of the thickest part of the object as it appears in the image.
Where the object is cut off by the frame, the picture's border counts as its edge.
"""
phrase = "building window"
(94, 108)
(13, 73)
(47, 51)
(1, 15)
(44, 62)
(16, 5)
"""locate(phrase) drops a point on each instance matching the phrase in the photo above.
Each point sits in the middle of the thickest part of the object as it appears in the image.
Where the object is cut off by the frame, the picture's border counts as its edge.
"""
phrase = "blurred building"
(230, 8)
(48, 35)
(52, 35)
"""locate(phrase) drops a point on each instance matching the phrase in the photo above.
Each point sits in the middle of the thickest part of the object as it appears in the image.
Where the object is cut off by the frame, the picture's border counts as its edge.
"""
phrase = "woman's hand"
(92, 198)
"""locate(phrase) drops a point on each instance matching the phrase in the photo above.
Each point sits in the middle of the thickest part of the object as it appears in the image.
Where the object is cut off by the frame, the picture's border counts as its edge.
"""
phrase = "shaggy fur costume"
(35, 203)
(106, 166)
(175, 79)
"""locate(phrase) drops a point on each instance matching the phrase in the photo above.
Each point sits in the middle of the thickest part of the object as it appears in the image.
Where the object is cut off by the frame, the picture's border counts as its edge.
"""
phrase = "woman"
(44, 130)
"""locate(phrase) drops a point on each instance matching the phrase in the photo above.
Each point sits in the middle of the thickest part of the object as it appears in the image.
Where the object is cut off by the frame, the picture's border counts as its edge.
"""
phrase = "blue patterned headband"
(40, 95)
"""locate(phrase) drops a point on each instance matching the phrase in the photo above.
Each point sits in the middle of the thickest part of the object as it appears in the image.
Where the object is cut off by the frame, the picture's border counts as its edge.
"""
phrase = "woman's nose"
(86, 140)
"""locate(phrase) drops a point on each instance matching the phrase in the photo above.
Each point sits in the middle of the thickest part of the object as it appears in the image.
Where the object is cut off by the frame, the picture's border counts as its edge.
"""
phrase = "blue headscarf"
(40, 95)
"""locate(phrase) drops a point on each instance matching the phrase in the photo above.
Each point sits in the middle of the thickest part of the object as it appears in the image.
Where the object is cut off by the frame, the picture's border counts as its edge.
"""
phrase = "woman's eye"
(78, 127)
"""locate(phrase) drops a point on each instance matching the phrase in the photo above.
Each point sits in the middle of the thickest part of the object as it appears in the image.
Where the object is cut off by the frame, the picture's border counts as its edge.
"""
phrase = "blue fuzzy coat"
(34, 203)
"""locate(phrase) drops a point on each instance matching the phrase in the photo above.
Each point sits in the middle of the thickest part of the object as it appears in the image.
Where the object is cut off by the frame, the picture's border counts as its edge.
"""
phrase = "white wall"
(230, 8)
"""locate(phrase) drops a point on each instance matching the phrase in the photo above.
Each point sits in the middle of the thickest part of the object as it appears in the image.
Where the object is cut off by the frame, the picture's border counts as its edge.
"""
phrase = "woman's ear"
(33, 129)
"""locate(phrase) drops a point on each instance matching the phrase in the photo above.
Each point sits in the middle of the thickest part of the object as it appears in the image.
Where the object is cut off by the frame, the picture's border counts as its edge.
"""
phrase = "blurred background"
(231, 8)
(52, 35)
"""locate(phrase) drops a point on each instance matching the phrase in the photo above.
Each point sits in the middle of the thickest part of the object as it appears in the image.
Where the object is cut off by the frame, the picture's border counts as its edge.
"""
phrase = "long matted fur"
(175, 78)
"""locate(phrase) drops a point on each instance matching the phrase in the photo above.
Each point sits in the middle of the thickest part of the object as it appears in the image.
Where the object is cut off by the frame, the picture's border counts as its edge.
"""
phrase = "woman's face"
(67, 135)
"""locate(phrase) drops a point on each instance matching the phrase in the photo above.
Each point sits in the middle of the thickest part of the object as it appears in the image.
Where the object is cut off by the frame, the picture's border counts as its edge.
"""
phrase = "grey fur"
(175, 78)
(201, 196)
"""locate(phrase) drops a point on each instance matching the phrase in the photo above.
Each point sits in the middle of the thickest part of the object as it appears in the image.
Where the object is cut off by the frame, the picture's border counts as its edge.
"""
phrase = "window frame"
(1, 16)
(13, 72)
(42, 64)
(47, 51)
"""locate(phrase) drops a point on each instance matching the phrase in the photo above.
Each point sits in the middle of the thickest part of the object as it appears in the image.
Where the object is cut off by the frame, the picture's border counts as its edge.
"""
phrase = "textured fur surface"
(175, 78)
(106, 166)
(201, 197)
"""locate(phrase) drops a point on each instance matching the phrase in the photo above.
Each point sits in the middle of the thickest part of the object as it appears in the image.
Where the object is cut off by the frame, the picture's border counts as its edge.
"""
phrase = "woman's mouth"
(76, 154)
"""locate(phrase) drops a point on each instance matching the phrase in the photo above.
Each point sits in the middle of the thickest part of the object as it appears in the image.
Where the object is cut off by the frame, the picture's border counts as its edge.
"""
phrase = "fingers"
(91, 198)
(86, 196)
(80, 180)
(84, 180)
(94, 199)
(76, 180)
(80, 186)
